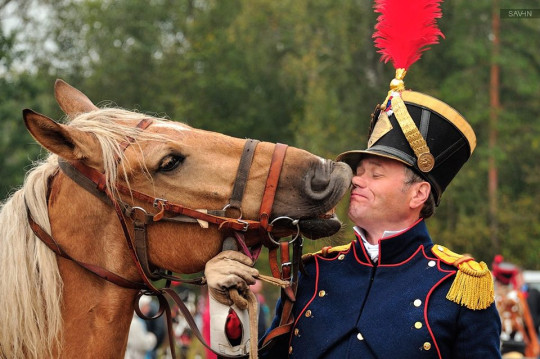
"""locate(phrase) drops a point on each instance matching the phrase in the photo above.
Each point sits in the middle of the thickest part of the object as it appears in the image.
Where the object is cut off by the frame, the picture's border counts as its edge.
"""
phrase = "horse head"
(181, 165)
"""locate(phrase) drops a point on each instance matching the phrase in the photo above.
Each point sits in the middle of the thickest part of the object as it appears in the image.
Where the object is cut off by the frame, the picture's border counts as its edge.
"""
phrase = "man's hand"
(229, 270)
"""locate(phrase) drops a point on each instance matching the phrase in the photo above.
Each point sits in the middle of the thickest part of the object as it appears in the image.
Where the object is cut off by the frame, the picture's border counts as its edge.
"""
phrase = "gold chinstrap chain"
(425, 159)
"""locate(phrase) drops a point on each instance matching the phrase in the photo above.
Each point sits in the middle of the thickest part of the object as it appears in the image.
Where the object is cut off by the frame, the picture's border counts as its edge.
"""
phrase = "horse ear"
(71, 100)
(67, 142)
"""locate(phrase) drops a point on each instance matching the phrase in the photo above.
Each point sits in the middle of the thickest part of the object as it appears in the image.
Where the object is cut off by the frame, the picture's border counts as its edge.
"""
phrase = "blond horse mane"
(31, 300)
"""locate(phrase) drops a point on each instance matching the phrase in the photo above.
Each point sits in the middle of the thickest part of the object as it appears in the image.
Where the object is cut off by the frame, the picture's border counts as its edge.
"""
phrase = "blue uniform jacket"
(349, 307)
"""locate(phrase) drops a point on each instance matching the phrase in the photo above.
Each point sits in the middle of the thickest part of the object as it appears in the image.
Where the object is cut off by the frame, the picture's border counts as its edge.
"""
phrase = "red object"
(405, 28)
(233, 326)
(504, 272)
(498, 259)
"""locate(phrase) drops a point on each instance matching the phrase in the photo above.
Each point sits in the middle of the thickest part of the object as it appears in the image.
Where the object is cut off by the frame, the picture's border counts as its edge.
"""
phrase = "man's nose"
(358, 181)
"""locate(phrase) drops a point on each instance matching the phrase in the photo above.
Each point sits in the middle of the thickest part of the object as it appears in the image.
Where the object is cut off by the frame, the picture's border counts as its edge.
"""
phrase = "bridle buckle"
(246, 225)
(159, 202)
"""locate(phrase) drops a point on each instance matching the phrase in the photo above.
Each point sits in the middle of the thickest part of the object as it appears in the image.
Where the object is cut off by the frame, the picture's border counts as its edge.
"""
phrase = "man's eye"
(170, 162)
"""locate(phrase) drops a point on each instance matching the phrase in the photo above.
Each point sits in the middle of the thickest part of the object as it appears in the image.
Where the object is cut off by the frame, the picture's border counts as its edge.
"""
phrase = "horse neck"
(96, 314)
(88, 229)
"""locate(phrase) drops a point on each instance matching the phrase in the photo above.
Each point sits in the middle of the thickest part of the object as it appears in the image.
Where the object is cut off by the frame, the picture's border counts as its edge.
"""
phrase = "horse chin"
(315, 228)
(312, 228)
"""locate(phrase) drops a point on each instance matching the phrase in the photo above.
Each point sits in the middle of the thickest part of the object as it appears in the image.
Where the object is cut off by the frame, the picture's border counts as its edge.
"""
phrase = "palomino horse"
(52, 305)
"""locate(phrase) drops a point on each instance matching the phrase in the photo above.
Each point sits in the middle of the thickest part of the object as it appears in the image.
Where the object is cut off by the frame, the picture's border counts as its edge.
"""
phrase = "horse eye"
(170, 162)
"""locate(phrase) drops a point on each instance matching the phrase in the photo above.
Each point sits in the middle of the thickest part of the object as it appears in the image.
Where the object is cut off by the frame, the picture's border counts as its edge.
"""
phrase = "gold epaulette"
(473, 285)
(325, 251)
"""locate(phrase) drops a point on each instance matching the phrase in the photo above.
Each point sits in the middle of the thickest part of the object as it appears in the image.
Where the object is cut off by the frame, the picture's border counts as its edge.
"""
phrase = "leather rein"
(95, 182)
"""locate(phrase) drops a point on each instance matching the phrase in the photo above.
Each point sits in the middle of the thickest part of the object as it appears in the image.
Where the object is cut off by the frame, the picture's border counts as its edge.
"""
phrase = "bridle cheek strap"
(103, 273)
(278, 157)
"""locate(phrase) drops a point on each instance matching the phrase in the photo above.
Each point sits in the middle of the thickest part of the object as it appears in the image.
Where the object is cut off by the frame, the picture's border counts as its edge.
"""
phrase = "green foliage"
(299, 72)
(17, 147)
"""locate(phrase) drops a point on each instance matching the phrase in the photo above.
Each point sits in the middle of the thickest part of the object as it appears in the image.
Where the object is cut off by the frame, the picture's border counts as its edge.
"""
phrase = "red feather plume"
(405, 28)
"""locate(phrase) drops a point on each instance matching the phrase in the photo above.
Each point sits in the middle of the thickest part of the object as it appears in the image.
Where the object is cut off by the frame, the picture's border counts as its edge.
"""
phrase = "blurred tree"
(179, 60)
(20, 87)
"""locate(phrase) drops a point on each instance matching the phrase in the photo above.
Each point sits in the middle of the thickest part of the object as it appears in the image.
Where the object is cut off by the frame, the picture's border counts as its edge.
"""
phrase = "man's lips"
(357, 194)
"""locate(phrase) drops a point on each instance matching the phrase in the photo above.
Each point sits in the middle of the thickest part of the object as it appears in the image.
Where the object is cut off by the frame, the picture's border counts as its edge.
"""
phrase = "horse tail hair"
(30, 304)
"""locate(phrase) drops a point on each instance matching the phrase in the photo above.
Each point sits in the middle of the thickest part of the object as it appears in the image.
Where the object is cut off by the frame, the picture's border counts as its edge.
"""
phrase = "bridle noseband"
(94, 182)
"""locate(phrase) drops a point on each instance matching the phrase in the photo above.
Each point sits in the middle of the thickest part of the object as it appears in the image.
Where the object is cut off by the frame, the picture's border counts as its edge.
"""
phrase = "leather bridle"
(95, 182)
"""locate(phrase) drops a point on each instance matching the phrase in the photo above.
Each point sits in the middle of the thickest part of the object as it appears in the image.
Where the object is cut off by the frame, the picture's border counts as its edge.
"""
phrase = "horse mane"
(31, 301)
(29, 276)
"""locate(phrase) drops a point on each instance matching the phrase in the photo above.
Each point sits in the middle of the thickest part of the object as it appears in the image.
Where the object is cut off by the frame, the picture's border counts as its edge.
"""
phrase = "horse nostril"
(318, 181)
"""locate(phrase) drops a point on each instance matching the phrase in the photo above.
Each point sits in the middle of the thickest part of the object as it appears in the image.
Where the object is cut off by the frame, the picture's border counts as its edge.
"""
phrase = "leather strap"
(242, 174)
(100, 272)
(285, 261)
(92, 183)
(142, 125)
(88, 180)
(98, 179)
(139, 230)
(99, 185)
(278, 157)
(288, 295)
(282, 329)
(273, 262)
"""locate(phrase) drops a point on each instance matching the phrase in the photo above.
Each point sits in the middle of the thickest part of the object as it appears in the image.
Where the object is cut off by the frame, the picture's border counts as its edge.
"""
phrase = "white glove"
(229, 270)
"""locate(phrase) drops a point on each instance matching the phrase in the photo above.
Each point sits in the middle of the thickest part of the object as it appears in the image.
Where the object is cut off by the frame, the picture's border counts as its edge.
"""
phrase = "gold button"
(417, 303)
(359, 336)
(418, 325)
(427, 346)
(296, 331)
(440, 248)
(341, 257)
(290, 350)
(322, 293)
(308, 313)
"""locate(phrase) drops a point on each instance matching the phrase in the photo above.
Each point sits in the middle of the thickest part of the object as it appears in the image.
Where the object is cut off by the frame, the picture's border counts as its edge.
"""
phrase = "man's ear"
(67, 142)
(420, 194)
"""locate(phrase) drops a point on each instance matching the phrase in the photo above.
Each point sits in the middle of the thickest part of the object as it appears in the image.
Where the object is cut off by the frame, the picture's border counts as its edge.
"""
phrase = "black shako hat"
(438, 141)
(422, 132)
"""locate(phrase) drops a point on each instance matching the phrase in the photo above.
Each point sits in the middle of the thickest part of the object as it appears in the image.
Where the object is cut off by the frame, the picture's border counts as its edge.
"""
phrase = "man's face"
(380, 197)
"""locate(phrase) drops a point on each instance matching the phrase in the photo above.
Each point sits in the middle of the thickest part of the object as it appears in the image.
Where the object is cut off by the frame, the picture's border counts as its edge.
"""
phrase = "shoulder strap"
(326, 251)
(473, 285)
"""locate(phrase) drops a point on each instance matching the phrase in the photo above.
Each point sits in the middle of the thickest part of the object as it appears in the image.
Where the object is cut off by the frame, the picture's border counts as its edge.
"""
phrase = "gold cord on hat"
(396, 85)
(424, 159)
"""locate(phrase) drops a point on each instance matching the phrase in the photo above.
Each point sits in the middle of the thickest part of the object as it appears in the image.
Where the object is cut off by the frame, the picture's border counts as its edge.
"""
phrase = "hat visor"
(352, 158)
